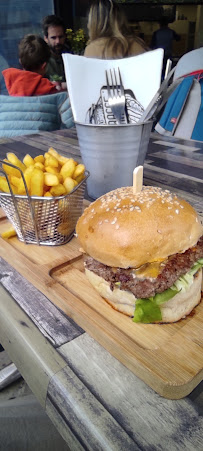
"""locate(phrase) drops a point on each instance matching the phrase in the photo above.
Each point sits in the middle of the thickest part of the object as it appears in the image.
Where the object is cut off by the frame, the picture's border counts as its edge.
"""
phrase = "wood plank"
(145, 349)
(37, 144)
(166, 424)
(38, 361)
(175, 182)
(53, 324)
(177, 158)
(82, 412)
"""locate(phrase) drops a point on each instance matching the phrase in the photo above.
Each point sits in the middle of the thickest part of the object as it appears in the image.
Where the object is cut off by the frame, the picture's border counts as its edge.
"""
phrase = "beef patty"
(170, 270)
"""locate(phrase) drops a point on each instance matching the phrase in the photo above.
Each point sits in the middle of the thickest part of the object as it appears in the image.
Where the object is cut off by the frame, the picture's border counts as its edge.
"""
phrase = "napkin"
(86, 76)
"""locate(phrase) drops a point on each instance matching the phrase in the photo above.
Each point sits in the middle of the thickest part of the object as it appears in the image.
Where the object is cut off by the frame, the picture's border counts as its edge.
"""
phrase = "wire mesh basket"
(43, 220)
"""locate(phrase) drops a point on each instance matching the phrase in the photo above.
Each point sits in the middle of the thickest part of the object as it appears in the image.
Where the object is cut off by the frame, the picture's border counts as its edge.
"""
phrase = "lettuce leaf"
(148, 310)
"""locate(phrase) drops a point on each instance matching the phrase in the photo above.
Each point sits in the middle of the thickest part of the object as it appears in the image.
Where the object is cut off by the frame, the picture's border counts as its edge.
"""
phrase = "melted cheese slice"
(149, 270)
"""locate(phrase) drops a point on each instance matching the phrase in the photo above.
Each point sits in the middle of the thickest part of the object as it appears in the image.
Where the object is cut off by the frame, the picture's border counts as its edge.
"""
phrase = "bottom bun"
(124, 301)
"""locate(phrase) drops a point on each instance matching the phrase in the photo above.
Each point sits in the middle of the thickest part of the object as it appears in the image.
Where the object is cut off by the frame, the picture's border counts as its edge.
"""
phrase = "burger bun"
(126, 230)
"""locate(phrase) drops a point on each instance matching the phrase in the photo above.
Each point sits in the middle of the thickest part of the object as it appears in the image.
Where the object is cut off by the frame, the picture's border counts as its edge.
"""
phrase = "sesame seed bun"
(126, 230)
(171, 311)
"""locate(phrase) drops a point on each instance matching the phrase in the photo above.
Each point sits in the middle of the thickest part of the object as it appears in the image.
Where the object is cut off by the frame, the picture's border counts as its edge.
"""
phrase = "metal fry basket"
(43, 220)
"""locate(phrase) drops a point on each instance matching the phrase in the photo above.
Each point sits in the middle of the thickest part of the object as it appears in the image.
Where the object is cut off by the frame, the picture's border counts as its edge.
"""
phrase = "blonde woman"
(110, 36)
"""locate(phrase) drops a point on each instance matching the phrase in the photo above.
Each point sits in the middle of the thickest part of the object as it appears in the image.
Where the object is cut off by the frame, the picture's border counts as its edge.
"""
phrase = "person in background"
(110, 35)
(163, 38)
(34, 54)
(55, 36)
(34, 103)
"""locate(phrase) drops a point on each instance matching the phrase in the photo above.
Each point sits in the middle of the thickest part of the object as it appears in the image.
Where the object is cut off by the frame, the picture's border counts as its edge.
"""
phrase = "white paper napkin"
(86, 76)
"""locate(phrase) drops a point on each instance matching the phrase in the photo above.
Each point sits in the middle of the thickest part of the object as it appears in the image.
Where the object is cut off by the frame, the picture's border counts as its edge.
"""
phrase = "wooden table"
(94, 401)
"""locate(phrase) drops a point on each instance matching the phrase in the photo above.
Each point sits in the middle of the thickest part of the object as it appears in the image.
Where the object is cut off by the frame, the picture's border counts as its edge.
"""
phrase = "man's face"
(56, 39)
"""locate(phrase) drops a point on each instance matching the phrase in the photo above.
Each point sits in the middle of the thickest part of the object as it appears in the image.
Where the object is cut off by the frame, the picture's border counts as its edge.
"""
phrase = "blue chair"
(28, 115)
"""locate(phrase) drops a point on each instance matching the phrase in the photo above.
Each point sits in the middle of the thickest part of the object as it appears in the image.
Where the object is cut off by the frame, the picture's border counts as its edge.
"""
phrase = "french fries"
(68, 168)
(48, 175)
(27, 175)
(39, 159)
(58, 190)
(5, 187)
(37, 182)
(51, 179)
(8, 233)
(28, 160)
(69, 184)
(79, 170)
(51, 161)
(13, 159)
(9, 170)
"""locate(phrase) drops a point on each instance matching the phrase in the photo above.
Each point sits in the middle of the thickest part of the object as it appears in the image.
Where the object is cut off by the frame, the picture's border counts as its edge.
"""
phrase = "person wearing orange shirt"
(34, 54)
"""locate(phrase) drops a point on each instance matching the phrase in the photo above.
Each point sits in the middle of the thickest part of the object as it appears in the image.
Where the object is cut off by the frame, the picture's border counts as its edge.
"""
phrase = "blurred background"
(19, 17)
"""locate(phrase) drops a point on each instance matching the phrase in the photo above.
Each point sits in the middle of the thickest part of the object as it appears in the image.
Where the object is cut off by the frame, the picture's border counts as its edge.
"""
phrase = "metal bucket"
(110, 153)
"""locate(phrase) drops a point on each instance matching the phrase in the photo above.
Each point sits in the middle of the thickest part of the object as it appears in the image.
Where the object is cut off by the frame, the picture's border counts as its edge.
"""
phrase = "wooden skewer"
(137, 179)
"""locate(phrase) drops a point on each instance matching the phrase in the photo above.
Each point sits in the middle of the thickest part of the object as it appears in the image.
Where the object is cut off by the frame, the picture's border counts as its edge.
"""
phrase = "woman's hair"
(107, 20)
(33, 52)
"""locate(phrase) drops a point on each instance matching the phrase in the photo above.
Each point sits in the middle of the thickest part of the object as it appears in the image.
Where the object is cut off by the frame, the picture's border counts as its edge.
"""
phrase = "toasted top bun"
(124, 230)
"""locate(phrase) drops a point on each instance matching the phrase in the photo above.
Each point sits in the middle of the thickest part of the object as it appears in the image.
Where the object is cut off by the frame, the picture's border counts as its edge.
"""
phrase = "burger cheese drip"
(149, 270)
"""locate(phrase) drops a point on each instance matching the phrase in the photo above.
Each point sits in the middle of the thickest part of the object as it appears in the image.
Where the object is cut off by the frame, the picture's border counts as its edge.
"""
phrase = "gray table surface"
(93, 400)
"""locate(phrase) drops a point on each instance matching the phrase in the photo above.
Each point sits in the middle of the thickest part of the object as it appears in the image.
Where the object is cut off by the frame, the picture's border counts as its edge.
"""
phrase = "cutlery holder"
(110, 153)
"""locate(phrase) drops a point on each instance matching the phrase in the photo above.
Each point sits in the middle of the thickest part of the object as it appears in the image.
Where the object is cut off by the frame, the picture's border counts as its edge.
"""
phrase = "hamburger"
(144, 253)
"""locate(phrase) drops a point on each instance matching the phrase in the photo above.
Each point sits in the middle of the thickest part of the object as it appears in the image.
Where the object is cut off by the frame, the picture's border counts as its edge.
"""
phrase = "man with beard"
(55, 36)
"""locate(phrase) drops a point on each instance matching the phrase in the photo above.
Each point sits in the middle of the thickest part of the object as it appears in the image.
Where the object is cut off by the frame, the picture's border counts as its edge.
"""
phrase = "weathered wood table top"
(95, 402)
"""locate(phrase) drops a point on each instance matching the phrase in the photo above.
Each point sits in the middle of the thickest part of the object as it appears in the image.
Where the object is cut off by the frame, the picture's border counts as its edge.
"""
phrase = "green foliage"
(77, 40)
(55, 78)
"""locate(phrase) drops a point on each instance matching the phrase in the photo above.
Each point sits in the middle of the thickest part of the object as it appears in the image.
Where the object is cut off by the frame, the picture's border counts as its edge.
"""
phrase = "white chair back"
(86, 76)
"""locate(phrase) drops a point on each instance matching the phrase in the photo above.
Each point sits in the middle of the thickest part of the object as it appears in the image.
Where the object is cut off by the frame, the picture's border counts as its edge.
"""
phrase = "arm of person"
(64, 86)
(176, 36)
(60, 86)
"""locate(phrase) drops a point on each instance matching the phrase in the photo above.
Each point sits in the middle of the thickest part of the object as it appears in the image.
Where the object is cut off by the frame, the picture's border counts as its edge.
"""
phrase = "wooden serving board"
(167, 357)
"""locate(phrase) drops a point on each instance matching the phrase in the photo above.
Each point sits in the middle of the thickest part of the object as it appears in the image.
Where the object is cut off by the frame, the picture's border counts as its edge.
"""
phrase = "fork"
(116, 96)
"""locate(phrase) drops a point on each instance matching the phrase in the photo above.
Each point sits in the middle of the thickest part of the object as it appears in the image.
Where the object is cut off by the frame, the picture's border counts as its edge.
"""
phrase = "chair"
(85, 90)
(28, 115)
